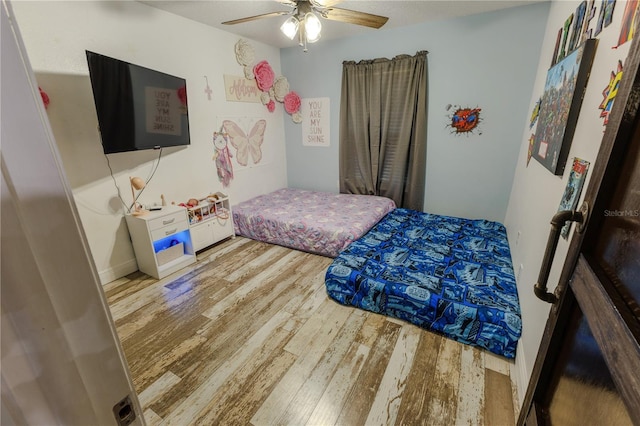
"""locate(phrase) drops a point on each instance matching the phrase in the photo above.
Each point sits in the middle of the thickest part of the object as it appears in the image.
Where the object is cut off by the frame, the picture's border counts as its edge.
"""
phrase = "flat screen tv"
(138, 108)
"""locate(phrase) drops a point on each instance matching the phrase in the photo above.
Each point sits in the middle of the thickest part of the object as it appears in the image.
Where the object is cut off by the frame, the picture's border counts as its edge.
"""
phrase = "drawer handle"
(173, 231)
(167, 222)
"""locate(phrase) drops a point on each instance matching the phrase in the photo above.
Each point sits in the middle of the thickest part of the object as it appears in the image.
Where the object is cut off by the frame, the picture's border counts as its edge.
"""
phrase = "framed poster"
(315, 122)
(560, 107)
(572, 191)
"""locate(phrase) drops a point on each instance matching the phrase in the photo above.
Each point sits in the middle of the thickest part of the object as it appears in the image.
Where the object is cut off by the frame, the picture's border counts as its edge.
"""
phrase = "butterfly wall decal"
(246, 144)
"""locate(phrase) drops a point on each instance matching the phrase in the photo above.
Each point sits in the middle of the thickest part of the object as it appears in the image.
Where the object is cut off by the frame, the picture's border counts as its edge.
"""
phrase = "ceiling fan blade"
(253, 18)
(355, 17)
(326, 3)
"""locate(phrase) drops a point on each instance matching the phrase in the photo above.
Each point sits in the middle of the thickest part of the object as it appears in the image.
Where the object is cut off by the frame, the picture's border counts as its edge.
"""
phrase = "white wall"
(487, 60)
(57, 34)
(536, 192)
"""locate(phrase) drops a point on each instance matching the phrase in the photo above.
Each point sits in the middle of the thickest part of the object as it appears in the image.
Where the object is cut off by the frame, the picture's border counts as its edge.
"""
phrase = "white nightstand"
(162, 241)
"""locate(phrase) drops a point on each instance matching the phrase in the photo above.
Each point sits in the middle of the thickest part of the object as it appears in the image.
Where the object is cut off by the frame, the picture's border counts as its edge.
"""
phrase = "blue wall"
(487, 60)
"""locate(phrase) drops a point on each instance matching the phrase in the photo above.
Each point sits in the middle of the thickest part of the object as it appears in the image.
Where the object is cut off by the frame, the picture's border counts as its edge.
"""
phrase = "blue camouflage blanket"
(450, 275)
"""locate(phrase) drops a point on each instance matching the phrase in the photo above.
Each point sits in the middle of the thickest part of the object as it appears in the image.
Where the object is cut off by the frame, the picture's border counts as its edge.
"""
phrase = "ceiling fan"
(305, 22)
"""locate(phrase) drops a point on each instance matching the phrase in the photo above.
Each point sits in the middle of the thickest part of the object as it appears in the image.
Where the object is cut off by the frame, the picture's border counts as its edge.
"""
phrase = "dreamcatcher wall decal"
(222, 157)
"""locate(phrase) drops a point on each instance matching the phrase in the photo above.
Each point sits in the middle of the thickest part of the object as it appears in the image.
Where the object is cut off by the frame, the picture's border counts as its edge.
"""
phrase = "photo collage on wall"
(550, 142)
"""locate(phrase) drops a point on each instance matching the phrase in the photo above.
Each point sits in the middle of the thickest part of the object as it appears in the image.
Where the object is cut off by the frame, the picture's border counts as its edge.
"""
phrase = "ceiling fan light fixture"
(304, 18)
(312, 27)
(290, 27)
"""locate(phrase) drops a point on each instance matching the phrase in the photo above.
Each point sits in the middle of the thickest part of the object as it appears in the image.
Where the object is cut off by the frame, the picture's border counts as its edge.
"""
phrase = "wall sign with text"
(315, 122)
(239, 89)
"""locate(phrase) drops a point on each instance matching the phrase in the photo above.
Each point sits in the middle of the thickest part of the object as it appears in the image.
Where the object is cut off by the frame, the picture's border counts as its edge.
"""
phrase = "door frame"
(620, 129)
(62, 361)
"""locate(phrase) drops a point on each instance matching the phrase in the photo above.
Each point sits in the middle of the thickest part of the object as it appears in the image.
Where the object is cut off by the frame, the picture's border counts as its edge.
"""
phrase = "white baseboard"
(522, 375)
(118, 271)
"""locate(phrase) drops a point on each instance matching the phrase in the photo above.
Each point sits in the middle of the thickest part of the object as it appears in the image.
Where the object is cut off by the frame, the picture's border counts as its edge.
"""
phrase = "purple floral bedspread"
(317, 222)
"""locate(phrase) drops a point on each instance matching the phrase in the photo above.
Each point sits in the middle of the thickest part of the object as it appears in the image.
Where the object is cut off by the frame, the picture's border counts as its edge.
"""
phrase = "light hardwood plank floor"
(248, 335)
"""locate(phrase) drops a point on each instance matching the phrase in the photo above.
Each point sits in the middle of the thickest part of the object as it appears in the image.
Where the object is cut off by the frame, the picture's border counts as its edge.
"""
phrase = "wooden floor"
(248, 336)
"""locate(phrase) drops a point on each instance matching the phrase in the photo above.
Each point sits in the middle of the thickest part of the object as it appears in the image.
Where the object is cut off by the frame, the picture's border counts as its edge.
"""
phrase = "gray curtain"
(383, 128)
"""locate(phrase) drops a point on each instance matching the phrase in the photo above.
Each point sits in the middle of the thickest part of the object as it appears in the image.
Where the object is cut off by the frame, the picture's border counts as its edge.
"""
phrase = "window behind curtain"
(383, 122)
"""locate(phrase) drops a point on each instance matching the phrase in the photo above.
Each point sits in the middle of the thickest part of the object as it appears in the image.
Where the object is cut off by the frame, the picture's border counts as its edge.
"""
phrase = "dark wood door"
(588, 367)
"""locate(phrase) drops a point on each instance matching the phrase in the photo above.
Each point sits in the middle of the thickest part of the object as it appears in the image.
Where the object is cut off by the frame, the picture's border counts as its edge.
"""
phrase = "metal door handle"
(557, 222)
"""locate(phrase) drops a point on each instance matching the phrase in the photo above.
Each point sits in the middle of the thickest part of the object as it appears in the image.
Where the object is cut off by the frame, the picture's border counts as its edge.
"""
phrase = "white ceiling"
(400, 13)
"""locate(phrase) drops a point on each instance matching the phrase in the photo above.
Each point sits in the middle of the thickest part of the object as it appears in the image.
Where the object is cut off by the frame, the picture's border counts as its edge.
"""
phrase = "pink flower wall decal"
(292, 102)
(182, 95)
(271, 89)
(45, 98)
(271, 106)
(264, 75)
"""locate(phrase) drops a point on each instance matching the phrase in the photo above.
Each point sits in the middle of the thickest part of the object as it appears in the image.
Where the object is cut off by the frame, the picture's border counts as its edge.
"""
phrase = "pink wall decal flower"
(264, 75)
(45, 98)
(292, 102)
(182, 95)
(272, 89)
(271, 106)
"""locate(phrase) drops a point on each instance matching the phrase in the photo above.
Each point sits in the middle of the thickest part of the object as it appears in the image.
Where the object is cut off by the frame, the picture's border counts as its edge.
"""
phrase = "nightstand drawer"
(178, 218)
(161, 233)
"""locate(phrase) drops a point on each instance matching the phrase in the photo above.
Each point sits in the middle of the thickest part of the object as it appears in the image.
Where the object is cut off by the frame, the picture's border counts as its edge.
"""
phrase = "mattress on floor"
(316, 222)
(450, 275)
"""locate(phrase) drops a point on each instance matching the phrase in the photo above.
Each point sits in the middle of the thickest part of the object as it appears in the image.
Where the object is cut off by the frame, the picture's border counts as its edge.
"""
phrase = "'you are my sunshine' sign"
(315, 121)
